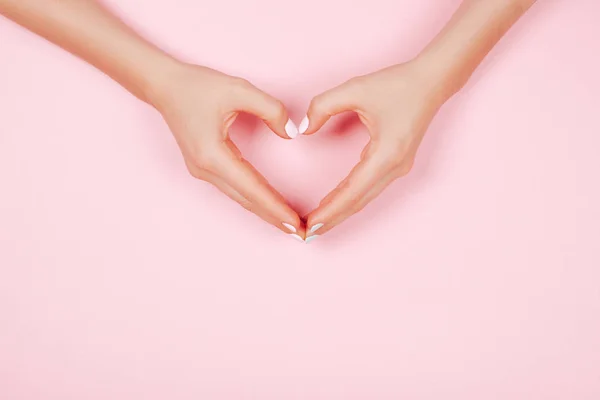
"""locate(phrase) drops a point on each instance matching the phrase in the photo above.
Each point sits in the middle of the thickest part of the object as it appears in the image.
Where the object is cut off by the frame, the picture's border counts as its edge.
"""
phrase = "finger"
(243, 178)
(332, 102)
(370, 196)
(272, 111)
(369, 172)
(224, 187)
(362, 203)
(373, 193)
(233, 194)
(342, 184)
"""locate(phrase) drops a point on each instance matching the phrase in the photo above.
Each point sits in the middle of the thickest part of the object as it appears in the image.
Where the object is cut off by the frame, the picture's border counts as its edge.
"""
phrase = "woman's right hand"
(200, 105)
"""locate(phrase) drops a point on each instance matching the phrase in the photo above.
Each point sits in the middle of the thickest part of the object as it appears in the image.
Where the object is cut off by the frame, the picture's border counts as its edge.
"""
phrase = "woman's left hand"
(396, 105)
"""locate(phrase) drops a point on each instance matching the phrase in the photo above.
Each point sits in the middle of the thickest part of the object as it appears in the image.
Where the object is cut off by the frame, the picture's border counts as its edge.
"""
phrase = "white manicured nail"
(311, 238)
(291, 129)
(292, 228)
(297, 237)
(303, 125)
(316, 228)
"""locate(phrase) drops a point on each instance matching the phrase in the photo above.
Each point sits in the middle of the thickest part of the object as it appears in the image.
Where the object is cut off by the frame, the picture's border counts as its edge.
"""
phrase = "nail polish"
(316, 227)
(303, 125)
(291, 129)
(310, 238)
(297, 237)
(292, 228)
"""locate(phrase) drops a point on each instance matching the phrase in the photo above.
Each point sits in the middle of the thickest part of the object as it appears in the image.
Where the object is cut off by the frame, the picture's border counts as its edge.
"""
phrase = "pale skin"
(199, 104)
(398, 103)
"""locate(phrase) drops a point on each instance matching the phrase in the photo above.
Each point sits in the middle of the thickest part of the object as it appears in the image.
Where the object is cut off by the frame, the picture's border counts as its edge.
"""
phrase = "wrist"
(157, 81)
(441, 74)
(432, 83)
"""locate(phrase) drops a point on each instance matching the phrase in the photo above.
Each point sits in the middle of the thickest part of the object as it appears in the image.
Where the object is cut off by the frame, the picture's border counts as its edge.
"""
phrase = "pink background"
(477, 277)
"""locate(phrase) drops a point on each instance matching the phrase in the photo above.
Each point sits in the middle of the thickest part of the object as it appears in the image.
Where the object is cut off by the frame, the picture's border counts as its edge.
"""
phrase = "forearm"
(89, 31)
(471, 34)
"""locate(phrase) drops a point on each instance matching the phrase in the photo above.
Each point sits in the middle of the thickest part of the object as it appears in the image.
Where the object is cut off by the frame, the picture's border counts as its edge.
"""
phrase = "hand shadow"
(345, 122)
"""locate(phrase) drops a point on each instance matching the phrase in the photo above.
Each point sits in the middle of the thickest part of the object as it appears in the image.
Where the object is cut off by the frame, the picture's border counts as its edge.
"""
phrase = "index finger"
(243, 177)
(364, 176)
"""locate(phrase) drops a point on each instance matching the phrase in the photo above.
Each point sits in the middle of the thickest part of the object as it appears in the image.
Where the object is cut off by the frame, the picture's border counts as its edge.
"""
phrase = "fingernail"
(316, 228)
(310, 238)
(292, 228)
(303, 125)
(296, 237)
(291, 129)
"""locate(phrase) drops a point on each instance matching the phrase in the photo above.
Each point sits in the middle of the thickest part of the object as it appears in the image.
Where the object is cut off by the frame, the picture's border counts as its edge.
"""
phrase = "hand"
(396, 105)
(199, 106)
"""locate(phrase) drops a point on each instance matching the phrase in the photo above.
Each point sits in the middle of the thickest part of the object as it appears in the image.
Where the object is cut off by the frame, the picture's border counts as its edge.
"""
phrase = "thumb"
(266, 107)
(324, 106)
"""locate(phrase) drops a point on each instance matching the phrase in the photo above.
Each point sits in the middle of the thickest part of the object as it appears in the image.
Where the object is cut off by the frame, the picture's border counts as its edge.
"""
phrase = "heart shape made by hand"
(395, 104)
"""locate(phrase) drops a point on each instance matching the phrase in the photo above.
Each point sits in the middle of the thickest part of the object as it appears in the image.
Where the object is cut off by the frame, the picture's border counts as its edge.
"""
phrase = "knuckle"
(405, 168)
(210, 163)
(276, 110)
(195, 171)
(356, 81)
(204, 159)
(241, 82)
(197, 155)
(317, 104)
(239, 86)
(358, 85)
(360, 207)
(398, 145)
(390, 157)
